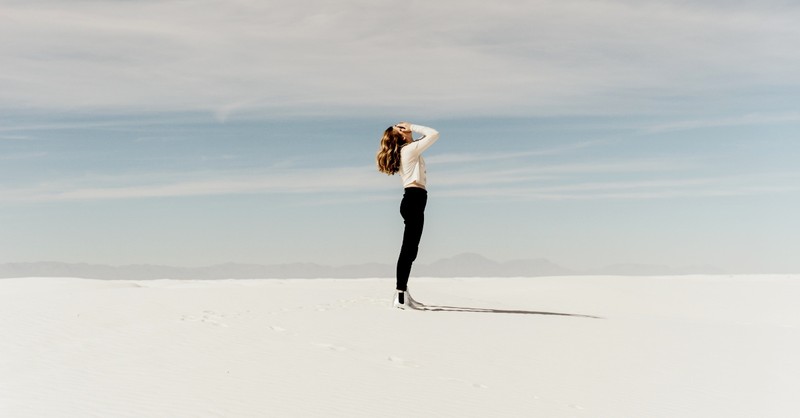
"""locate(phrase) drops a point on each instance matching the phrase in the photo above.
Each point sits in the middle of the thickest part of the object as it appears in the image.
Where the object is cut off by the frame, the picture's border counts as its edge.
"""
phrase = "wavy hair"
(389, 153)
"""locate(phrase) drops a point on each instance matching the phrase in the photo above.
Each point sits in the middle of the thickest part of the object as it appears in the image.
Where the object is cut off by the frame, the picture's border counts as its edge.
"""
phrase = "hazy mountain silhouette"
(475, 265)
(462, 265)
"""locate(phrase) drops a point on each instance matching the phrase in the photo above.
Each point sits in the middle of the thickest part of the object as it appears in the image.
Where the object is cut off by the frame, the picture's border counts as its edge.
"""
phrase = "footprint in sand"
(332, 347)
(475, 385)
(402, 362)
(208, 317)
(213, 318)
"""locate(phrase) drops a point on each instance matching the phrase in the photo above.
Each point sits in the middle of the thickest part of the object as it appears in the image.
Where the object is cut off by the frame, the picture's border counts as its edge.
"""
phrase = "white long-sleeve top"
(412, 165)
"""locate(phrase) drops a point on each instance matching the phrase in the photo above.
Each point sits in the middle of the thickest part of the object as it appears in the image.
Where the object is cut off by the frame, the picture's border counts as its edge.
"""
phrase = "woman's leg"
(412, 208)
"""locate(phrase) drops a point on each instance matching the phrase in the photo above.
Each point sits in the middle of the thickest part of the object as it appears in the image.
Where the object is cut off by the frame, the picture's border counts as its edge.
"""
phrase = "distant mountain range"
(462, 265)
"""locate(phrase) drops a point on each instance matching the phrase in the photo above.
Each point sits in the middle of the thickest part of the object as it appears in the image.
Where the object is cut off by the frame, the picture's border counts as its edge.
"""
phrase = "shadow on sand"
(441, 308)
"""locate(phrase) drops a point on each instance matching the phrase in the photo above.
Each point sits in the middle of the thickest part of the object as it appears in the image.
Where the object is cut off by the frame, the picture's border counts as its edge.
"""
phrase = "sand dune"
(688, 346)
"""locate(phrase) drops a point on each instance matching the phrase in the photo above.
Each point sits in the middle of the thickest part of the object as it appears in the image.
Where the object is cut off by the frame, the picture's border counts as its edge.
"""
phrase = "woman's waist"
(415, 188)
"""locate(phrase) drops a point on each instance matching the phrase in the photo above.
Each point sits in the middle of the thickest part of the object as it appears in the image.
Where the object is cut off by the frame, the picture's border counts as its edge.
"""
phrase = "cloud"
(562, 172)
(512, 57)
(120, 123)
(182, 184)
(748, 119)
(309, 181)
(641, 178)
(460, 158)
(700, 187)
(22, 156)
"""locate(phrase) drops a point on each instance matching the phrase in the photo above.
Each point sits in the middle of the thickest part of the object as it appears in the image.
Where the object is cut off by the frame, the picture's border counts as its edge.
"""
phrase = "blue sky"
(588, 133)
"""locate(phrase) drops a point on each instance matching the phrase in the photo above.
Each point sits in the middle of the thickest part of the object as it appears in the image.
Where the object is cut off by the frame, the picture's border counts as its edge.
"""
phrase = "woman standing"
(399, 152)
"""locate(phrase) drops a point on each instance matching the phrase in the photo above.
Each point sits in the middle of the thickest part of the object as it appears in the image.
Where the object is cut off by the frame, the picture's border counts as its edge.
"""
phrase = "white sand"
(699, 346)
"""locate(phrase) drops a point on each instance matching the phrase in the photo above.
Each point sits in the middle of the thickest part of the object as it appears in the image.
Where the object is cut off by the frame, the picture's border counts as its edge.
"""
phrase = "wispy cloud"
(22, 156)
(318, 57)
(496, 156)
(294, 180)
(709, 187)
(553, 181)
(559, 171)
(747, 119)
(91, 124)
(154, 185)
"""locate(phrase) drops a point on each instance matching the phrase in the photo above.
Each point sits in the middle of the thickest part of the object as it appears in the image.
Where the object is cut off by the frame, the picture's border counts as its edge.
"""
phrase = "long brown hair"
(389, 153)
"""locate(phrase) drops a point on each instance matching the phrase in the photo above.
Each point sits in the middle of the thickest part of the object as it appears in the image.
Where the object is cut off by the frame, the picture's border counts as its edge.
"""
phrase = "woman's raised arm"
(430, 136)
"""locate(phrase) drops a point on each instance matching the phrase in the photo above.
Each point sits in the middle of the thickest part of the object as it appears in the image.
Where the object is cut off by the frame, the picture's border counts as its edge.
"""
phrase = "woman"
(400, 153)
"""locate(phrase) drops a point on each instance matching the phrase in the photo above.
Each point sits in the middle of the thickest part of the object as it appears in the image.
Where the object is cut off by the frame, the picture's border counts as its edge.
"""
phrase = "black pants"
(412, 207)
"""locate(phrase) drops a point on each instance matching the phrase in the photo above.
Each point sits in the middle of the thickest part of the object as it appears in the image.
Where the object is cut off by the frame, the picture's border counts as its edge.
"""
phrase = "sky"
(585, 132)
